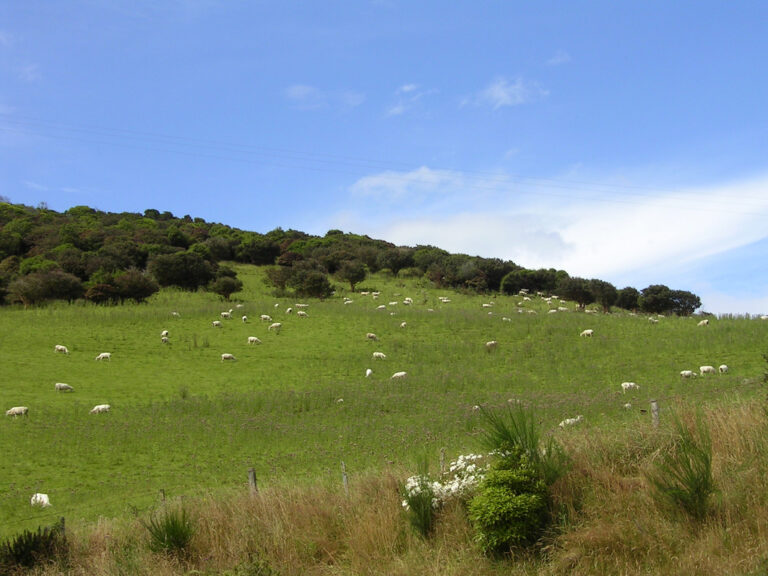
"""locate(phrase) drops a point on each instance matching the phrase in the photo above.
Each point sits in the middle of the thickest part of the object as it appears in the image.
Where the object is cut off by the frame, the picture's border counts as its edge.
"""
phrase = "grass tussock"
(607, 519)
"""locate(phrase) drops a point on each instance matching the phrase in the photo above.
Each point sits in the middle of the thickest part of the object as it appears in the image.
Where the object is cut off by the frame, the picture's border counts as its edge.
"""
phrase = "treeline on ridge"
(104, 257)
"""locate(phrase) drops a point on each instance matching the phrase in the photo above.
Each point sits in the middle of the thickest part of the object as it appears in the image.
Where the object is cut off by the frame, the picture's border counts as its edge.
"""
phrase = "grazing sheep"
(216, 323)
(372, 336)
(399, 375)
(704, 322)
(164, 333)
(61, 348)
(265, 318)
(571, 421)
(176, 314)
(627, 406)
(104, 356)
(707, 370)
(723, 369)
(381, 307)
(587, 333)
(687, 374)
(253, 340)
(226, 356)
(491, 345)
(17, 411)
(653, 320)
(227, 315)
(302, 314)
(164, 339)
(629, 386)
(41, 500)
(403, 324)
(288, 310)
(245, 319)
(276, 327)
(100, 408)
(368, 372)
(379, 355)
(302, 305)
(61, 387)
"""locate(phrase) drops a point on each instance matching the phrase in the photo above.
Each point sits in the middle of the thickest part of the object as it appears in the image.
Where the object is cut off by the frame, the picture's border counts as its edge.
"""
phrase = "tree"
(684, 303)
(135, 285)
(576, 289)
(655, 299)
(184, 269)
(628, 298)
(604, 292)
(225, 286)
(352, 271)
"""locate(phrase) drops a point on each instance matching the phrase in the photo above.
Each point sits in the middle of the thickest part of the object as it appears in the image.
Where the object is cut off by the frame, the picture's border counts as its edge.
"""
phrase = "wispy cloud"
(501, 93)
(392, 186)
(306, 97)
(6, 40)
(560, 57)
(30, 73)
(35, 186)
(407, 97)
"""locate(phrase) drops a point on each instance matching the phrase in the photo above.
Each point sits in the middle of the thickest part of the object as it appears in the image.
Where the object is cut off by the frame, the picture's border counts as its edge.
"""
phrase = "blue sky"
(620, 140)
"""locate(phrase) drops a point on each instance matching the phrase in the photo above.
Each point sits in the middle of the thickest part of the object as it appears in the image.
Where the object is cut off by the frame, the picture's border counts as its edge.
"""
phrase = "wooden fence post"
(344, 478)
(252, 481)
(655, 413)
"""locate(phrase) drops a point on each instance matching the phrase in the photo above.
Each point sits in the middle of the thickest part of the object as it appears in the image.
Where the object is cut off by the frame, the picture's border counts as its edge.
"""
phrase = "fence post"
(162, 495)
(442, 461)
(252, 481)
(655, 413)
(344, 478)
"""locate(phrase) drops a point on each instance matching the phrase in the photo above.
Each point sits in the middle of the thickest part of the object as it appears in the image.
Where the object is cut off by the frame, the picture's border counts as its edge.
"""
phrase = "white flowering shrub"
(458, 483)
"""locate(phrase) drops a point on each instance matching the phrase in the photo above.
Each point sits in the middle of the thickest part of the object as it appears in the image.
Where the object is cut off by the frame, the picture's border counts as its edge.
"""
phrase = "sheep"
(707, 370)
(653, 320)
(216, 323)
(265, 318)
(379, 356)
(245, 319)
(704, 322)
(61, 348)
(372, 336)
(104, 356)
(17, 411)
(61, 387)
(41, 500)
(239, 305)
(491, 345)
(302, 305)
(587, 333)
(164, 333)
(571, 421)
(381, 307)
(368, 372)
(687, 374)
(723, 369)
(276, 327)
(175, 314)
(399, 375)
(226, 356)
(227, 315)
(629, 386)
(302, 314)
(100, 409)
(289, 310)
(253, 340)
(164, 339)
(403, 324)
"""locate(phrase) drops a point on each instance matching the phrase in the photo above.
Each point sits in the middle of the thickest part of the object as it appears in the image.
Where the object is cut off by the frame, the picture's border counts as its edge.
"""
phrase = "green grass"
(186, 423)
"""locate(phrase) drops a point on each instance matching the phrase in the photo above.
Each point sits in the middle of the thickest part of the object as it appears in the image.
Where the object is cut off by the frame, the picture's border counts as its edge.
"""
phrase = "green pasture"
(297, 405)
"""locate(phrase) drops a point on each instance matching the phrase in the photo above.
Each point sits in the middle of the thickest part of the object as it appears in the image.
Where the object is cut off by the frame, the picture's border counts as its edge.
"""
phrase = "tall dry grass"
(605, 519)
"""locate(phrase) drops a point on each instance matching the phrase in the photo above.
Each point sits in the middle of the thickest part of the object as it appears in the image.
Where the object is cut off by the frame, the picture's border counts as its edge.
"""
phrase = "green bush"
(171, 531)
(509, 509)
(31, 548)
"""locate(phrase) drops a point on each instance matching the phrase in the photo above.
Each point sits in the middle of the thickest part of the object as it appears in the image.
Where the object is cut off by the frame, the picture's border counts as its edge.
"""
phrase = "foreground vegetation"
(186, 427)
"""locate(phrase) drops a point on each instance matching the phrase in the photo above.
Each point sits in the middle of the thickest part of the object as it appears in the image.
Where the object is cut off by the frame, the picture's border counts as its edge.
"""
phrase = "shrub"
(171, 531)
(31, 548)
(682, 477)
(419, 500)
(510, 507)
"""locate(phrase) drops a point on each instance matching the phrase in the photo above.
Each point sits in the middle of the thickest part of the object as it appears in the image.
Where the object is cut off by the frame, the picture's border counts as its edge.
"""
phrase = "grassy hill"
(185, 424)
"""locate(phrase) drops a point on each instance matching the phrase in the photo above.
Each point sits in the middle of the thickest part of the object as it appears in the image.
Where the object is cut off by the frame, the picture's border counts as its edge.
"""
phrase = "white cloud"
(560, 57)
(393, 186)
(307, 97)
(407, 98)
(501, 93)
(30, 73)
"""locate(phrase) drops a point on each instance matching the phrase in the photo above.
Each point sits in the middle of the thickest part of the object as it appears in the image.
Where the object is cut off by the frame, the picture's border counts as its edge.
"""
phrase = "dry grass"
(606, 520)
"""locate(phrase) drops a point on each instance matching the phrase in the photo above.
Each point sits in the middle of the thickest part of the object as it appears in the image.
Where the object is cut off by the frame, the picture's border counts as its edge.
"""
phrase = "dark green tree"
(184, 269)
(656, 299)
(225, 286)
(604, 292)
(628, 298)
(684, 303)
(133, 284)
(577, 289)
(352, 271)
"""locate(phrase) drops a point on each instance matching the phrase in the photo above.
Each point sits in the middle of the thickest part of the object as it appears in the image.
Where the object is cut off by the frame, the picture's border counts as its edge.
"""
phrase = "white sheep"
(164, 339)
(276, 327)
(164, 333)
(302, 305)
(175, 314)
(723, 368)
(704, 322)
(302, 314)
(379, 355)
(265, 318)
(61, 387)
(104, 356)
(17, 411)
(41, 500)
(687, 374)
(707, 370)
(227, 315)
(245, 319)
(381, 307)
(629, 386)
(571, 421)
(372, 336)
(100, 409)
(403, 324)
(288, 310)
(587, 333)
(399, 375)
(216, 323)
(368, 372)
(61, 348)
(226, 356)
(253, 340)
(491, 345)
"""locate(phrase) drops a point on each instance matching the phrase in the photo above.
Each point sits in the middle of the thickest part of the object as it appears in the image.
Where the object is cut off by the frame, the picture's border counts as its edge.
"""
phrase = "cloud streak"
(307, 97)
(502, 93)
